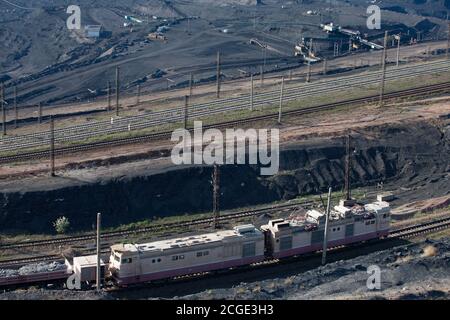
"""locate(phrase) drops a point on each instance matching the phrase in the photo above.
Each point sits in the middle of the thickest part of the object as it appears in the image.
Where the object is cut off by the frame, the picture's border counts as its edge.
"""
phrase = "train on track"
(242, 246)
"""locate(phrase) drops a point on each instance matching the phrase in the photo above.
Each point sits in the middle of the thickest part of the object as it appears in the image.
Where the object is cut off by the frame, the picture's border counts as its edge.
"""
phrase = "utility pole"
(97, 278)
(281, 100)
(2, 103)
(40, 113)
(383, 70)
(448, 40)
(191, 83)
(216, 190)
(138, 94)
(308, 74)
(325, 231)
(251, 92)
(109, 96)
(264, 55)
(348, 195)
(218, 74)
(398, 37)
(52, 147)
(186, 105)
(16, 114)
(262, 75)
(117, 90)
(188, 26)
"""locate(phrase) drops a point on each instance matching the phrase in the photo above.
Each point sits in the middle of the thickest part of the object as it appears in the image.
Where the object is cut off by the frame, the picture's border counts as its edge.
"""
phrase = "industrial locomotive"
(244, 245)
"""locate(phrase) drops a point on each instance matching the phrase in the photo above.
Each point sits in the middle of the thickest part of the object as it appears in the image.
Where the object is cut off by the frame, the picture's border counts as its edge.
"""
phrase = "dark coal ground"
(407, 272)
(51, 64)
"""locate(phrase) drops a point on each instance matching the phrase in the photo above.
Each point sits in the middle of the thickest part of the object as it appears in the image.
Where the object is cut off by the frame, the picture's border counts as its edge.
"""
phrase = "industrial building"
(93, 31)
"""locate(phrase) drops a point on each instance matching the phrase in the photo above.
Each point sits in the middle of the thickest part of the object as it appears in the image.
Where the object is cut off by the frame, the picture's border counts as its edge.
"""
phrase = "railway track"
(175, 115)
(110, 235)
(442, 87)
(401, 233)
(423, 228)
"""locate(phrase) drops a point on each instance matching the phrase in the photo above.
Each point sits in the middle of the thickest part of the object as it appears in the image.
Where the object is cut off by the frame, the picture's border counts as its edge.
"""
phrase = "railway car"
(243, 245)
(347, 224)
(37, 277)
(135, 263)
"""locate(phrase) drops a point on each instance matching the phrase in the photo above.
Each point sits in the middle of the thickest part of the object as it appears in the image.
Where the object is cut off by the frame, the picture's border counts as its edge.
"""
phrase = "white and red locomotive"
(244, 245)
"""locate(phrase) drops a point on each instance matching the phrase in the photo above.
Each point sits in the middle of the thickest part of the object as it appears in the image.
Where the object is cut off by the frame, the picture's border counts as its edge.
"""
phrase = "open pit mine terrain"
(87, 117)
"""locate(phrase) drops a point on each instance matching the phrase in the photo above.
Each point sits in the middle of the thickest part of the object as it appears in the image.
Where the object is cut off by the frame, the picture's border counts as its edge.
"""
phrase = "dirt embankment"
(412, 156)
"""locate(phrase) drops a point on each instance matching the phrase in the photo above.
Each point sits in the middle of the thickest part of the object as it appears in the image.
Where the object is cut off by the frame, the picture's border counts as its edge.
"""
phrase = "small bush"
(61, 225)
(429, 251)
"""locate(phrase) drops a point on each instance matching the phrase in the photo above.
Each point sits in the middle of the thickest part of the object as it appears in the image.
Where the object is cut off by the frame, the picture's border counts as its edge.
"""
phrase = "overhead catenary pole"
(16, 112)
(218, 75)
(308, 74)
(40, 113)
(188, 26)
(281, 100)
(98, 273)
(117, 90)
(186, 115)
(262, 74)
(109, 96)
(348, 195)
(216, 195)
(265, 56)
(398, 50)
(324, 70)
(138, 94)
(52, 147)
(383, 69)
(2, 103)
(325, 230)
(251, 92)
(448, 41)
(191, 83)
